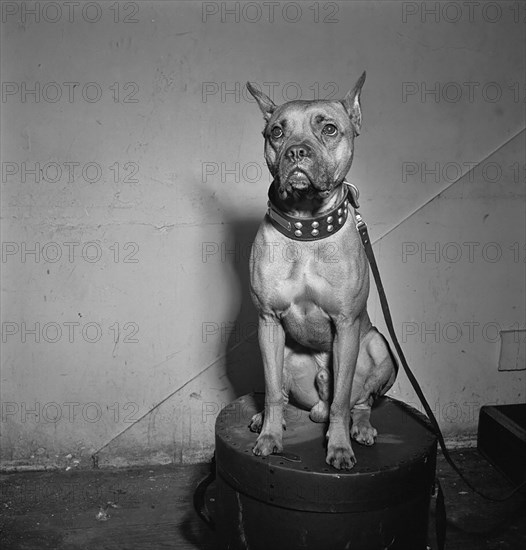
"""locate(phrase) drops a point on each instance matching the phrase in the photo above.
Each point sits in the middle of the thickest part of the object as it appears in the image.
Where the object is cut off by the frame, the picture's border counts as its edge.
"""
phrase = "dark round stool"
(296, 501)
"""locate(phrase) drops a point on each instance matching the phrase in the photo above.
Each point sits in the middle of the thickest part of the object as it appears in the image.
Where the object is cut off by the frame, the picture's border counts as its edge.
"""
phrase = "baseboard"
(139, 460)
(112, 461)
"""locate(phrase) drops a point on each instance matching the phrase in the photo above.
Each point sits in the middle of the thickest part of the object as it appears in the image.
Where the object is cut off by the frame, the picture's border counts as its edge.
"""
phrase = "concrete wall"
(149, 183)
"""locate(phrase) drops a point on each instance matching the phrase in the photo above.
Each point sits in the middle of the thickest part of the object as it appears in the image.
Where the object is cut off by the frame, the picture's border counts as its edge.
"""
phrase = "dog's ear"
(351, 102)
(266, 104)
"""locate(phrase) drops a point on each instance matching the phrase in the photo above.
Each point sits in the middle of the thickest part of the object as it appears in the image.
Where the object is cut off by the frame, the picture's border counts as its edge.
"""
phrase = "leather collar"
(316, 228)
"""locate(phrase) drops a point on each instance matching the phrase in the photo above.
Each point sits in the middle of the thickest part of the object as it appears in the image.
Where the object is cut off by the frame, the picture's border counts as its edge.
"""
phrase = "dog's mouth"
(297, 179)
(301, 183)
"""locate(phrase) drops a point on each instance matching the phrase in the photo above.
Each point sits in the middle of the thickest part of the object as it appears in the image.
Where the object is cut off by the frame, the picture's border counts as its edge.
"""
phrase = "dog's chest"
(305, 301)
(327, 276)
(303, 279)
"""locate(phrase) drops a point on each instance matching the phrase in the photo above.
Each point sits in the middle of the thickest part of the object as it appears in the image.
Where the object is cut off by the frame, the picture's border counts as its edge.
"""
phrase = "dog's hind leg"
(362, 431)
(377, 370)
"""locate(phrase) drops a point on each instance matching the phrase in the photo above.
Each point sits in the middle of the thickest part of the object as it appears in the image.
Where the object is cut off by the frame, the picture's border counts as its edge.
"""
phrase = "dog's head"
(309, 145)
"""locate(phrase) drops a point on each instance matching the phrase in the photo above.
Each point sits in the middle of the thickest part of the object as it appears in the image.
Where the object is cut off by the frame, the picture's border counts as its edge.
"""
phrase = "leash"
(366, 241)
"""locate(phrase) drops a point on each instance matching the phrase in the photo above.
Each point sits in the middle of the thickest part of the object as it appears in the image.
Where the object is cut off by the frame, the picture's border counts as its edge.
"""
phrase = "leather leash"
(361, 227)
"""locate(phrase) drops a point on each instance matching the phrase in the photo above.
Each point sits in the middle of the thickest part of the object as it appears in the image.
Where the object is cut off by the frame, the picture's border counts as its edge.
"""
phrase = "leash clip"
(354, 194)
(359, 221)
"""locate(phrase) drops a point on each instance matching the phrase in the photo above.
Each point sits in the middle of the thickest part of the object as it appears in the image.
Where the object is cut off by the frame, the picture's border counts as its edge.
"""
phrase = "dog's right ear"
(266, 104)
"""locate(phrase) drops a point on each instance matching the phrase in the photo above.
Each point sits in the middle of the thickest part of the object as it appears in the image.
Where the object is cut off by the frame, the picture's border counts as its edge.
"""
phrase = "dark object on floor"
(502, 439)
(295, 500)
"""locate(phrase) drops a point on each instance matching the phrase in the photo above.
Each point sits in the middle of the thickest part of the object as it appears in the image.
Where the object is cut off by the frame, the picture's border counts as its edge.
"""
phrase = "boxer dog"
(310, 280)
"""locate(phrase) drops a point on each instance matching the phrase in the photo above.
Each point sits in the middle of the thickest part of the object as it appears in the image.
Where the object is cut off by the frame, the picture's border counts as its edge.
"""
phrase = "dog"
(317, 342)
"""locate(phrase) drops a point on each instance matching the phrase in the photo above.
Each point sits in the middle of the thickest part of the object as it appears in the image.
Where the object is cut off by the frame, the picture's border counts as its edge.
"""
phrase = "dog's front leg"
(345, 353)
(272, 344)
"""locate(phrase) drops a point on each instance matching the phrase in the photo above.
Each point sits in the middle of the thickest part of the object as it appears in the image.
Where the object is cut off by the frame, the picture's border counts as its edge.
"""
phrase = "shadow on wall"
(237, 356)
(243, 364)
(239, 342)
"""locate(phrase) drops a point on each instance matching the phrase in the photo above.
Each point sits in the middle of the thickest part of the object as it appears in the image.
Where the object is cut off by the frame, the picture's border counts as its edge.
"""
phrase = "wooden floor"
(152, 509)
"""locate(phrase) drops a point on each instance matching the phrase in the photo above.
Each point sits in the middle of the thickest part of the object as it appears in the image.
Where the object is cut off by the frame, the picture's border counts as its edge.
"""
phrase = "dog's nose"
(296, 153)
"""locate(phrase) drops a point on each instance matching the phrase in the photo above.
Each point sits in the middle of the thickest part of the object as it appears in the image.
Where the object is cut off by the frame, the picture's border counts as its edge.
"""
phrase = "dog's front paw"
(340, 457)
(267, 444)
(256, 423)
(364, 433)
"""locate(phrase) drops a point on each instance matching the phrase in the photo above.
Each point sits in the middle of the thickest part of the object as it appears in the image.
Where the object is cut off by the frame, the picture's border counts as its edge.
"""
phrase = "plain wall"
(144, 320)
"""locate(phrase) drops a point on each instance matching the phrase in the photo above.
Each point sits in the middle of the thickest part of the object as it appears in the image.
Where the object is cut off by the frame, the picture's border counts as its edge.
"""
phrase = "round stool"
(296, 501)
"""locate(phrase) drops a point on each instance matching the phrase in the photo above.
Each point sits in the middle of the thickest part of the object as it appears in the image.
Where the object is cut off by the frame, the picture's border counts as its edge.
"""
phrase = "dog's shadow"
(244, 367)
(238, 346)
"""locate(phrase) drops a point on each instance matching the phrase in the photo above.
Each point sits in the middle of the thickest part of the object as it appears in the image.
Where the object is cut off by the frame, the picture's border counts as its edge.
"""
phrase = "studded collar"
(315, 228)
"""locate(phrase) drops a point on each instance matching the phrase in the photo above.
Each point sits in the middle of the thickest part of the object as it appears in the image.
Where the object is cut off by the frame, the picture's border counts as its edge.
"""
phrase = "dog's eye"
(330, 130)
(276, 132)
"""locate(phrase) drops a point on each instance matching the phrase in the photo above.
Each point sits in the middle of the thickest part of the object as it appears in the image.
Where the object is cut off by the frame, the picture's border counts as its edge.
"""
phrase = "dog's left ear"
(351, 102)
(266, 104)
